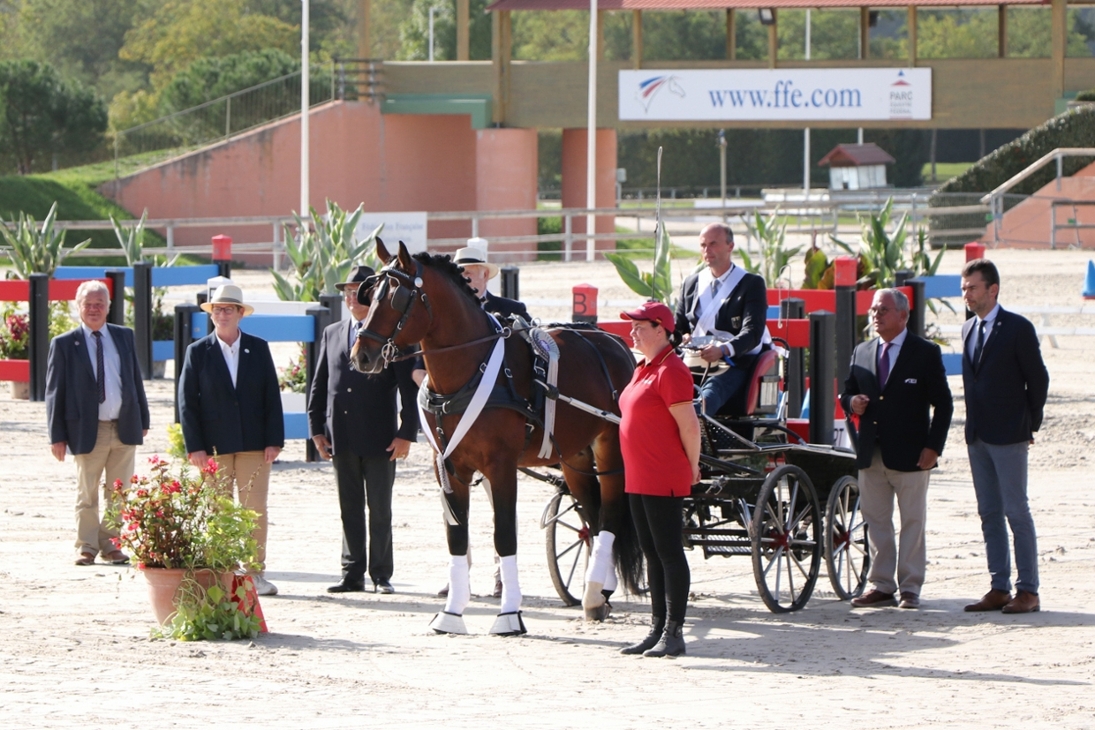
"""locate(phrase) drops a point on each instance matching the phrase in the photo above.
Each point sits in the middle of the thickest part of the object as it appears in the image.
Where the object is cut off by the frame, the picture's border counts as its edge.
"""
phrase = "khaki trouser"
(877, 488)
(250, 474)
(115, 459)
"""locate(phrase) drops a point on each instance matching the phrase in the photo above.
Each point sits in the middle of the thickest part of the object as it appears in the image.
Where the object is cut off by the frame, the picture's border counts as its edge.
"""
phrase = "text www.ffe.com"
(784, 96)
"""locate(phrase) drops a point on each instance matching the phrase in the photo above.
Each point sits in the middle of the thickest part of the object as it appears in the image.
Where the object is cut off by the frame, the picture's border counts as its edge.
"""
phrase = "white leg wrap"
(611, 580)
(601, 570)
(459, 585)
(511, 589)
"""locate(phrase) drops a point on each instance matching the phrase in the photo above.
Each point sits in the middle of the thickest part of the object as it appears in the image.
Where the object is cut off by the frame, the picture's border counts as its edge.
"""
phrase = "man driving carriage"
(723, 311)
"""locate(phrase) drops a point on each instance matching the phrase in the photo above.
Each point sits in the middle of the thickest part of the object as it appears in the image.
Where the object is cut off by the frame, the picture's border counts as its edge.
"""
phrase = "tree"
(40, 114)
(414, 30)
(212, 78)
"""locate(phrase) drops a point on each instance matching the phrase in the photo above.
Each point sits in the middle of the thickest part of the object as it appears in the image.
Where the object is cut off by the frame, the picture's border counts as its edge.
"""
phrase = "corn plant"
(33, 249)
(656, 284)
(322, 253)
(884, 254)
(774, 257)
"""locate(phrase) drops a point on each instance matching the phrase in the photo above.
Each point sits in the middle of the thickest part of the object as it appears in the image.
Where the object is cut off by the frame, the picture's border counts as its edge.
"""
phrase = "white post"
(304, 98)
(431, 33)
(591, 142)
(806, 131)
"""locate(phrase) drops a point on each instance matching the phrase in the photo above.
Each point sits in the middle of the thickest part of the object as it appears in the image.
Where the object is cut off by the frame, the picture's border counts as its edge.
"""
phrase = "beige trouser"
(877, 487)
(115, 459)
(250, 474)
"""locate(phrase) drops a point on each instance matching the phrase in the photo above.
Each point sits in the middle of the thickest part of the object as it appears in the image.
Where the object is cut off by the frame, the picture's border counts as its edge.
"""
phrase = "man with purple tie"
(897, 385)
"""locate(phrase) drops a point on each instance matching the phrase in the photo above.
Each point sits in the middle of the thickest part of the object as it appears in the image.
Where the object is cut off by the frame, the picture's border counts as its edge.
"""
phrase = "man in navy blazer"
(1006, 384)
(352, 420)
(479, 271)
(230, 409)
(897, 385)
(96, 409)
(730, 305)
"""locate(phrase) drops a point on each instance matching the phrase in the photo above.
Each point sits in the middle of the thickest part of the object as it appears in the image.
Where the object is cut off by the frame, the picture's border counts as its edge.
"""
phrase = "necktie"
(354, 331)
(884, 364)
(100, 375)
(980, 344)
(716, 284)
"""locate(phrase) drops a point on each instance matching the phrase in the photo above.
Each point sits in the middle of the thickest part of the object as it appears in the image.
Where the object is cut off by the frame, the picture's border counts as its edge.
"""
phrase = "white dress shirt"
(971, 343)
(112, 363)
(231, 356)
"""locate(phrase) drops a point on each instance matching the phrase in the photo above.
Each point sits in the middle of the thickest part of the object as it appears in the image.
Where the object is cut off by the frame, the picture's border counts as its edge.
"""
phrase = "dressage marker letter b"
(584, 303)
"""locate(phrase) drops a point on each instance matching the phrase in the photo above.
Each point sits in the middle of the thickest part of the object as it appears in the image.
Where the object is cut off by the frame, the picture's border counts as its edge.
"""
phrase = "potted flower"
(188, 538)
(14, 340)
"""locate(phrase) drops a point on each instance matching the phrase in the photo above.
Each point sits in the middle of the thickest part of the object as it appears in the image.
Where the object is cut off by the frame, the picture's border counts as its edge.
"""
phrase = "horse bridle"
(407, 291)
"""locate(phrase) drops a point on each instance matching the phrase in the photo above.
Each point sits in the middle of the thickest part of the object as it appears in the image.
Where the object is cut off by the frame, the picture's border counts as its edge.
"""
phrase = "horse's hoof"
(448, 623)
(508, 624)
(600, 613)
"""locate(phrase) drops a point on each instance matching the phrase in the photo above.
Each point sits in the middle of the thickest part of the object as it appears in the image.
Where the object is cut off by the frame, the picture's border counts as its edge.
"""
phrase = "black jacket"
(72, 403)
(355, 411)
(1006, 395)
(504, 307)
(743, 314)
(897, 417)
(217, 417)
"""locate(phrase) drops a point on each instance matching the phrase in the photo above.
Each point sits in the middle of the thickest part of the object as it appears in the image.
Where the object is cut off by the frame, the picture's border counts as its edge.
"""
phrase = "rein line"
(505, 334)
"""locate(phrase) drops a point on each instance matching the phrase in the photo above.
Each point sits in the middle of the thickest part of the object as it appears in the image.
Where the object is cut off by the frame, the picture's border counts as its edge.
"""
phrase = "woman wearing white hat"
(230, 409)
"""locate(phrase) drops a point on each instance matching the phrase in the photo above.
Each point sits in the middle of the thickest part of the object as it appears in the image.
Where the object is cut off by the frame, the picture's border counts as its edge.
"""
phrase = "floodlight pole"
(305, 93)
(806, 132)
(591, 141)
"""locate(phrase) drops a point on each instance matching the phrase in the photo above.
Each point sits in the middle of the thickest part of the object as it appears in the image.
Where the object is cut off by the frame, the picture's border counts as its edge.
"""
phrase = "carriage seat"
(761, 396)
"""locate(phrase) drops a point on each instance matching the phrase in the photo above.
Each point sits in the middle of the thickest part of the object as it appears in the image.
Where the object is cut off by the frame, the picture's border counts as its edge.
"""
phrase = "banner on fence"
(410, 228)
(793, 94)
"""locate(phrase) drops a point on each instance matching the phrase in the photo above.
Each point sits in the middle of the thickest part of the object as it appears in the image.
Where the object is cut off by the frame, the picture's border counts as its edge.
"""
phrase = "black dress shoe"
(383, 586)
(348, 586)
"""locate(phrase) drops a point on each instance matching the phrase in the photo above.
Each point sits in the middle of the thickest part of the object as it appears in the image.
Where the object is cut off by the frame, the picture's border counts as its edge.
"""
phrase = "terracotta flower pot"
(163, 587)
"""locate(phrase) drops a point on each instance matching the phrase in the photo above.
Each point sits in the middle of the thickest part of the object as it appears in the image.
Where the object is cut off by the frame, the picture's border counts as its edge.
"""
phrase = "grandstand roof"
(741, 4)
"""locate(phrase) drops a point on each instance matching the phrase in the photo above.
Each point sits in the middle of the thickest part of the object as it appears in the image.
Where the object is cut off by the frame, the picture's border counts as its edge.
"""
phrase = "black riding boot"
(657, 626)
(671, 642)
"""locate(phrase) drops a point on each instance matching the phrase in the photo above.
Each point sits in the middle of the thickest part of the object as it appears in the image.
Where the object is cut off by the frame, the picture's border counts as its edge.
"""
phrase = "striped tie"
(100, 375)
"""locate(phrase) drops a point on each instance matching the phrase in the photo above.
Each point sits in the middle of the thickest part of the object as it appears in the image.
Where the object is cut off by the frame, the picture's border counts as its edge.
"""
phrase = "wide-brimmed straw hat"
(227, 294)
(653, 312)
(472, 254)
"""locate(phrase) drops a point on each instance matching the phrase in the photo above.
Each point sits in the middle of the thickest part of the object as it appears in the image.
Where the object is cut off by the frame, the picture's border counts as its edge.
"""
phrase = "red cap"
(652, 312)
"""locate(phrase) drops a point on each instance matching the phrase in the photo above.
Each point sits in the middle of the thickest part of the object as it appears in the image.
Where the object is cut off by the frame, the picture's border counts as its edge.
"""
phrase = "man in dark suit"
(230, 408)
(473, 259)
(1006, 384)
(728, 307)
(352, 421)
(897, 385)
(96, 409)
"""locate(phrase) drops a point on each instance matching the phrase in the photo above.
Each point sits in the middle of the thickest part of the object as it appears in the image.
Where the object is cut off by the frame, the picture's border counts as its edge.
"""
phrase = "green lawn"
(945, 170)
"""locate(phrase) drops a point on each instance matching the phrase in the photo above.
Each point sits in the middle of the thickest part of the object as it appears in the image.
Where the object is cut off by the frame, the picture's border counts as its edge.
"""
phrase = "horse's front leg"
(455, 504)
(502, 484)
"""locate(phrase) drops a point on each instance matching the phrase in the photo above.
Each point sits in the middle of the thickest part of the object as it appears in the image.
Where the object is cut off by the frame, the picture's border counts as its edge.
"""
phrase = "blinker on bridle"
(407, 290)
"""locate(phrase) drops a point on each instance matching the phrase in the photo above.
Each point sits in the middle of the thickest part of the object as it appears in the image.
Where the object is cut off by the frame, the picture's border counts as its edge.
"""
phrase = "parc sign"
(770, 95)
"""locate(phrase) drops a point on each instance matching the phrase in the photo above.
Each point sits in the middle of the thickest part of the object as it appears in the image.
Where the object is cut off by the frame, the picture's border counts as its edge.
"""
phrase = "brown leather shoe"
(86, 559)
(909, 600)
(1024, 602)
(874, 599)
(994, 600)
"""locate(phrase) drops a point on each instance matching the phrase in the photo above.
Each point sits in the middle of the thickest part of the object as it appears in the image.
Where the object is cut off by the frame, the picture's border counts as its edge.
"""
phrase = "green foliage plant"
(14, 333)
(884, 253)
(33, 249)
(294, 378)
(322, 250)
(176, 445)
(131, 240)
(773, 257)
(656, 284)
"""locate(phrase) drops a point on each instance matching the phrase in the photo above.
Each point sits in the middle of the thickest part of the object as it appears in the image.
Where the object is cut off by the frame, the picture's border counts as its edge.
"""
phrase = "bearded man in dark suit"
(1006, 385)
(897, 385)
(352, 421)
(97, 410)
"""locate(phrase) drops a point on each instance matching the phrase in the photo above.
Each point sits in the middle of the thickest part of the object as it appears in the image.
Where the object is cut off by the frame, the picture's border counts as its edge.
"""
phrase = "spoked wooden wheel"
(568, 546)
(846, 555)
(786, 539)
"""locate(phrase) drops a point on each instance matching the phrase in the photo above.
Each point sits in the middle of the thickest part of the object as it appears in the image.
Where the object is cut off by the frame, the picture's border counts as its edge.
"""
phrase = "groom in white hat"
(473, 259)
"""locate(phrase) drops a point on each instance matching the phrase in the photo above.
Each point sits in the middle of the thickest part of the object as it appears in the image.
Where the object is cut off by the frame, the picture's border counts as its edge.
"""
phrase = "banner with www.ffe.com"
(767, 95)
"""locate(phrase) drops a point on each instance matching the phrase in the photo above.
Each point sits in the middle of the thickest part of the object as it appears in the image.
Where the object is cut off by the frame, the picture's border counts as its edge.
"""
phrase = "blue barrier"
(163, 350)
(952, 361)
(270, 327)
(161, 276)
(296, 425)
(942, 286)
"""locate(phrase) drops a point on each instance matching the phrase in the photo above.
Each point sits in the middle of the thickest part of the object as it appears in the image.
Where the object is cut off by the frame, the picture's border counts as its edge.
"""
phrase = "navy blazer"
(219, 418)
(744, 313)
(72, 402)
(897, 417)
(1006, 394)
(504, 307)
(355, 411)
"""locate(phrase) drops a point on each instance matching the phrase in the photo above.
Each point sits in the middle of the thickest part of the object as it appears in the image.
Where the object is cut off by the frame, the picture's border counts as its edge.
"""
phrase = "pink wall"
(574, 179)
(506, 179)
(388, 162)
(1027, 224)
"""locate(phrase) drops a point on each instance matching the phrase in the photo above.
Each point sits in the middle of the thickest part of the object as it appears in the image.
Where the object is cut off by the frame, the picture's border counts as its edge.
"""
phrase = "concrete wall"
(574, 181)
(388, 162)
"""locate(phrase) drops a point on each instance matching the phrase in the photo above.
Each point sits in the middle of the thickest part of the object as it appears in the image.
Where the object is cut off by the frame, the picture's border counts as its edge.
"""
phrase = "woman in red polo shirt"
(660, 440)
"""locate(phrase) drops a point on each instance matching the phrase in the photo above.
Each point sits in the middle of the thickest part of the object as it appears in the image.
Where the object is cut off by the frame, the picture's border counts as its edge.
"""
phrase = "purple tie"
(100, 376)
(884, 365)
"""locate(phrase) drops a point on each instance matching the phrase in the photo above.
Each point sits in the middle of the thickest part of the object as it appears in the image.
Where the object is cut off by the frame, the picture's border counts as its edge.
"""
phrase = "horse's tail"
(628, 554)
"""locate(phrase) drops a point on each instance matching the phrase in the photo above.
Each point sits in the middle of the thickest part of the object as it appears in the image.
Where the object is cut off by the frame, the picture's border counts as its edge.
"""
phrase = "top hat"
(227, 294)
(473, 255)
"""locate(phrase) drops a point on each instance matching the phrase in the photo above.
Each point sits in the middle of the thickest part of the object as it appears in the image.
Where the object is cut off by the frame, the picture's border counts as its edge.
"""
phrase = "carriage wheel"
(568, 546)
(786, 534)
(846, 556)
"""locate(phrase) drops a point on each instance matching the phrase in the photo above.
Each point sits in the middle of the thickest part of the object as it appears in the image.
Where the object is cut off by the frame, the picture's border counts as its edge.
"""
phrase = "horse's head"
(400, 313)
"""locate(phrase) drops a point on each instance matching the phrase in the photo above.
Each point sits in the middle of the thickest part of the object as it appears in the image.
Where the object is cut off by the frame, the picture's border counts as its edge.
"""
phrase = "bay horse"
(426, 299)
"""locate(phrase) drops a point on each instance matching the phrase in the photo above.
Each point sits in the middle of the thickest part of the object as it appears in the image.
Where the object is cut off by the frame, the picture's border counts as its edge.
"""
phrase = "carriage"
(762, 493)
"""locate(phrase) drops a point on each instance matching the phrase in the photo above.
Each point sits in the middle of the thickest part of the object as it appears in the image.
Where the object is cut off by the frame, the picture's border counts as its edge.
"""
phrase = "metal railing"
(1072, 224)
